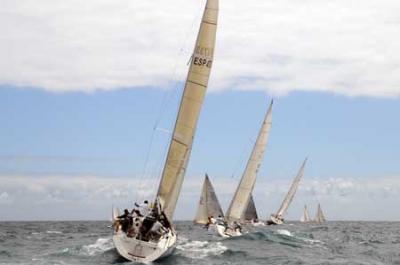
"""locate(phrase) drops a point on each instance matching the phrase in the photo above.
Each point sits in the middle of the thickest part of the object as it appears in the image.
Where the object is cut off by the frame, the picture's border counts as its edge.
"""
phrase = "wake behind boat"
(278, 218)
(152, 236)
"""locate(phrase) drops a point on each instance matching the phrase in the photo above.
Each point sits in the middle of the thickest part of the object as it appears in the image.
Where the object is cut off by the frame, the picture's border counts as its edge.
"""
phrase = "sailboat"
(250, 215)
(208, 205)
(242, 197)
(277, 219)
(305, 218)
(319, 217)
(142, 246)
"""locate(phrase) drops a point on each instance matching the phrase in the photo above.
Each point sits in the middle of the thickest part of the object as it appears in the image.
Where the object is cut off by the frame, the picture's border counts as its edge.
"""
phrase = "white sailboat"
(240, 201)
(139, 246)
(208, 205)
(305, 218)
(319, 217)
(277, 219)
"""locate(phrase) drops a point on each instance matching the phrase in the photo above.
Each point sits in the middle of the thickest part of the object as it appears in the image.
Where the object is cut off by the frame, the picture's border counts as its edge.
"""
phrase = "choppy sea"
(293, 243)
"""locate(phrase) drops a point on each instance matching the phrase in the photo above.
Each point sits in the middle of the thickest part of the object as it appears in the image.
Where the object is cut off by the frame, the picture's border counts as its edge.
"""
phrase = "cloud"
(344, 47)
(91, 197)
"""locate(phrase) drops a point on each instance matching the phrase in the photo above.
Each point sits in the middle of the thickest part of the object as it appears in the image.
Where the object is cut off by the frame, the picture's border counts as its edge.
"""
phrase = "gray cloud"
(91, 197)
(344, 47)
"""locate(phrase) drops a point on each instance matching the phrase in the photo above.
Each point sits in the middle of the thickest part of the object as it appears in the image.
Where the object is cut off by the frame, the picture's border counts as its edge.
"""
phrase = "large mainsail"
(292, 191)
(320, 218)
(251, 211)
(305, 217)
(209, 204)
(189, 110)
(242, 195)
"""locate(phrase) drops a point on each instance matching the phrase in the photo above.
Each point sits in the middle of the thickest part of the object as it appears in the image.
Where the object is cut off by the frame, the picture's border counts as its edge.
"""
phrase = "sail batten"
(243, 192)
(189, 110)
(292, 191)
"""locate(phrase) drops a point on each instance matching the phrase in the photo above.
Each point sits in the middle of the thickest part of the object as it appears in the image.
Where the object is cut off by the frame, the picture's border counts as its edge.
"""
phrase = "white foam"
(201, 249)
(288, 233)
(53, 232)
(101, 245)
(284, 232)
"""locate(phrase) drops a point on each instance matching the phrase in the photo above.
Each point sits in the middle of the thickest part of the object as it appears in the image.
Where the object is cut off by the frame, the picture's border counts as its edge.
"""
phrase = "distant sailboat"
(141, 245)
(251, 212)
(305, 218)
(208, 205)
(319, 217)
(242, 197)
(277, 218)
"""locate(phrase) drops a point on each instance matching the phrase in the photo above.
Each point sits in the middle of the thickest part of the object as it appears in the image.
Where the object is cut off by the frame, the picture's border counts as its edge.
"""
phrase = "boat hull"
(225, 233)
(274, 221)
(141, 251)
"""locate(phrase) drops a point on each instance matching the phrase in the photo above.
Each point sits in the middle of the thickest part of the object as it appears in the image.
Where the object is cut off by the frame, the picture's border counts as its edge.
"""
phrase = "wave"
(102, 245)
(201, 249)
(5, 253)
(53, 232)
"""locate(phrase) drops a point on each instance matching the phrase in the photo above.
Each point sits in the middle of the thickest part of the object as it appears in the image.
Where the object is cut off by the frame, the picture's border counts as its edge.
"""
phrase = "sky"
(89, 94)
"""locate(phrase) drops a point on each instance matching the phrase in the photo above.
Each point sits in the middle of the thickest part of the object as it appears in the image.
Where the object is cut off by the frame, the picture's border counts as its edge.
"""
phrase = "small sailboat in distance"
(140, 243)
(250, 215)
(319, 217)
(240, 200)
(305, 218)
(277, 219)
(208, 205)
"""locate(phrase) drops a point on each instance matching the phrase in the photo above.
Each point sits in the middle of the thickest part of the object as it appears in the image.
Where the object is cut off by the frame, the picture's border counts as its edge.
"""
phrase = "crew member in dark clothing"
(164, 220)
(125, 220)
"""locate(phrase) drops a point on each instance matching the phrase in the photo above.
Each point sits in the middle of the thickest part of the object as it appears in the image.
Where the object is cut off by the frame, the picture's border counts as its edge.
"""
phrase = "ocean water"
(293, 243)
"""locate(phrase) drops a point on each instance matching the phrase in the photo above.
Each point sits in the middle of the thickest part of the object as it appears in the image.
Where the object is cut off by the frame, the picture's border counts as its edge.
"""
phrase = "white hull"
(258, 224)
(220, 229)
(274, 221)
(140, 251)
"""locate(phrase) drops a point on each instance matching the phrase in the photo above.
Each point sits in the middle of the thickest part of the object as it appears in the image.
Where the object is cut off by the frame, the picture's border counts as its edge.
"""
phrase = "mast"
(189, 110)
(242, 195)
(292, 191)
(208, 204)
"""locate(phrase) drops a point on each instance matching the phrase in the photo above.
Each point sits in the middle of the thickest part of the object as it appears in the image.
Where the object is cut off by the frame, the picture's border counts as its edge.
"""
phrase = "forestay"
(242, 195)
(292, 191)
(209, 204)
(189, 110)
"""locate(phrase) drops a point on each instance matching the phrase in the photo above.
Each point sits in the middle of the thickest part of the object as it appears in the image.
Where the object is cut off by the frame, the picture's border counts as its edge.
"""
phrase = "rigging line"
(241, 157)
(179, 88)
(167, 97)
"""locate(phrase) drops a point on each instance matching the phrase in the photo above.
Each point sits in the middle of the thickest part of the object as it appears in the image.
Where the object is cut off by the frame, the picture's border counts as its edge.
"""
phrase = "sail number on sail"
(201, 54)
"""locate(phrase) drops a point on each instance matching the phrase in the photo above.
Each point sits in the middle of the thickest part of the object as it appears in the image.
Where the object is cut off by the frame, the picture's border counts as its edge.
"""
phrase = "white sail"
(138, 243)
(192, 100)
(305, 217)
(320, 218)
(208, 204)
(242, 195)
(292, 191)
